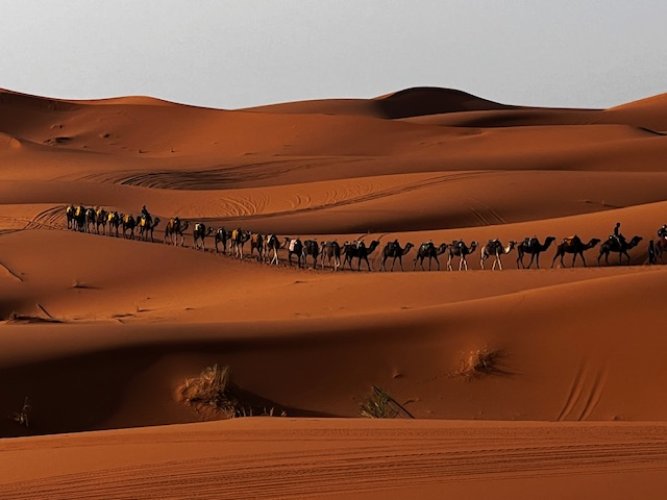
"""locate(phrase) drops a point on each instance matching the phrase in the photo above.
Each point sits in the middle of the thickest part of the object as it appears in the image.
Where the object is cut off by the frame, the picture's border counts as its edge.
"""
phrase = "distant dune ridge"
(99, 332)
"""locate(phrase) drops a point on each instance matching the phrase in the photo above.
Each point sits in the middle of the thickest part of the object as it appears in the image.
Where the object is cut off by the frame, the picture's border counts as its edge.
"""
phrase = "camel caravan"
(354, 255)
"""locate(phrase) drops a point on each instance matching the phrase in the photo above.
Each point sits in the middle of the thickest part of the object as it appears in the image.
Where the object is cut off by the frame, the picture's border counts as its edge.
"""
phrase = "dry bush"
(210, 391)
(379, 404)
(212, 395)
(480, 362)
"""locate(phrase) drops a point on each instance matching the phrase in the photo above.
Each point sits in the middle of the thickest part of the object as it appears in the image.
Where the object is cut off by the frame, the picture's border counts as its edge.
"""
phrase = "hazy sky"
(247, 52)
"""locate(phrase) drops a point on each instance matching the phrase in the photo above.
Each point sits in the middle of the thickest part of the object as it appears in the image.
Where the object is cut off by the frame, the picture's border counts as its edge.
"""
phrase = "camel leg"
(500, 264)
(400, 261)
(481, 262)
(449, 263)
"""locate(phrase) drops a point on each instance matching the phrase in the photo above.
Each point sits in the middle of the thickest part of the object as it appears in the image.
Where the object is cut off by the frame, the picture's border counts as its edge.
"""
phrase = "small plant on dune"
(379, 404)
(210, 391)
(22, 417)
(213, 395)
(480, 362)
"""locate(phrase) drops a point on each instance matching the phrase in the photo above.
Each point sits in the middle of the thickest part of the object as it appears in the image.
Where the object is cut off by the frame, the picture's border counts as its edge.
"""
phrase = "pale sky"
(588, 53)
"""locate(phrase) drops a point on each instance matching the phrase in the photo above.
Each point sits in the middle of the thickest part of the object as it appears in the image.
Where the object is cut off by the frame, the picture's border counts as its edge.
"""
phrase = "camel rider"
(395, 245)
(662, 232)
(146, 216)
(617, 236)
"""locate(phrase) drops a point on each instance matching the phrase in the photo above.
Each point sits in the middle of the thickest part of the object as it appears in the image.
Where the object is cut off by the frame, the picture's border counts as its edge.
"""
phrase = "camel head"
(634, 241)
(511, 245)
(155, 222)
(374, 244)
(408, 247)
(593, 243)
(473, 246)
(442, 248)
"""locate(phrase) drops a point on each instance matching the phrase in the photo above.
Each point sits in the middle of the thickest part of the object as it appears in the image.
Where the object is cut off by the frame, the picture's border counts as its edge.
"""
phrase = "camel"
(461, 250)
(330, 251)
(312, 248)
(101, 217)
(393, 250)
(128, 223)
(360, 251)
(199, 234)
(174, 230)
(257, 243)
(660, 248)
(533, 247)
(239, 238)
(222, 236)
(495, 248)
(69, 213)
(80, 218)
(429, 250)
(91, 219)
(114, 221)
(613, 245)
(294, 247)
(575, 246)
(146, 227)
(272, 245)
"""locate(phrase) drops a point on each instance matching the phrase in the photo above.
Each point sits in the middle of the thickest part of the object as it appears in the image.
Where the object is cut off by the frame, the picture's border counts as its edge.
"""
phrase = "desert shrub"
(210, 390)
(379, 404)
(212, 394)
(480, 362)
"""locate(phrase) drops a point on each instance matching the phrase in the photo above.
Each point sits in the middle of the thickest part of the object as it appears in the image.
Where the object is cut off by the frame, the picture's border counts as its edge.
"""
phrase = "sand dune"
(99, 332)
(343, 459)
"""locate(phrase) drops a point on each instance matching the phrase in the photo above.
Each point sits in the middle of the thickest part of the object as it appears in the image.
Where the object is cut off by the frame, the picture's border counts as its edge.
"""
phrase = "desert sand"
(99, 332)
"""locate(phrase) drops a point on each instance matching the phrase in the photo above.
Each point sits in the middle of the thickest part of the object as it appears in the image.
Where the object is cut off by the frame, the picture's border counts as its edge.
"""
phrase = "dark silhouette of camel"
(238, 239)
(91, 219)
(175, 231)
(257, 242)
(360, 251)
(294, 247)
(495, 249)
(312, 248)
(461, 250)
(430, 251)
(330, 251)
(534, 248)
(575, 246)
(114, 220)
(221, 236)
(619, 246)
(79, 218)
(101, 217)
(146, 227)
(128, 224)
(199, 234)
(393, 250)
(272, 247)
(69, 213)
